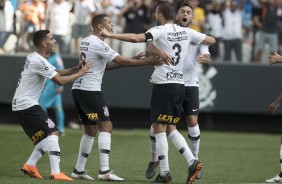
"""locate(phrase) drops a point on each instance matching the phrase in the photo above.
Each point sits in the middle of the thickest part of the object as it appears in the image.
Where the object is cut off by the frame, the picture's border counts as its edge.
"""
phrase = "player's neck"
(42, 52)
(166, 22)
(98, 34)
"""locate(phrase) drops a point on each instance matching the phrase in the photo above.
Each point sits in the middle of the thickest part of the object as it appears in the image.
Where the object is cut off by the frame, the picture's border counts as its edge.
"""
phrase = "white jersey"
(32, 81)
(174, 40)
(190, 63)
(98, 54)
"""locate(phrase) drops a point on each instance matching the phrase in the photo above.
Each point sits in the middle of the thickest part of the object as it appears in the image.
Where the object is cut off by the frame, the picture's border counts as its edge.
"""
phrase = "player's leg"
(154, 161)
(104, 146)
(278, 177)
(88, 116)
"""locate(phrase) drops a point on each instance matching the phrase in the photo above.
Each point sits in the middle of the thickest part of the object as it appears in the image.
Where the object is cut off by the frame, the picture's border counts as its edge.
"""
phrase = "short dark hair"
(166, 9)
(98, 19)
(184, 3)
(38, 36)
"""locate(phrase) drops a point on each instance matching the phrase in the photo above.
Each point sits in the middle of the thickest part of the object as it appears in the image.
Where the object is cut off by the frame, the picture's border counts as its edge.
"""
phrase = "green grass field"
(227, 157)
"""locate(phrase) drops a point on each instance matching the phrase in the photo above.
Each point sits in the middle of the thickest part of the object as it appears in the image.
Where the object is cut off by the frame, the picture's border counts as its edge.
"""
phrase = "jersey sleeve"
(43, 68)
(204, 49)
(196, 37)
(105, 51)
(155, 32)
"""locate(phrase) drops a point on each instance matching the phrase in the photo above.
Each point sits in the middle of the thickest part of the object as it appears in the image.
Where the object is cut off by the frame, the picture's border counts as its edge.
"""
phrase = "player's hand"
(167, 59)
(86, 69)
(139, 56)
(59, 90)
(272, 107)
(154, 60)
(274, 58)
(204, 59)
(81, 62)
(105, 33)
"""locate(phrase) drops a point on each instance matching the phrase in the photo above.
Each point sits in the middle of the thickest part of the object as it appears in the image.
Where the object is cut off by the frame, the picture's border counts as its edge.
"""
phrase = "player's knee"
(90, 130)
(105, 126)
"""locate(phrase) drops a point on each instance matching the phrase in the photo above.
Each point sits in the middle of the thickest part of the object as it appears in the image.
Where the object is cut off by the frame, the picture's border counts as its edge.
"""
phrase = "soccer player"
(89, 101)
(191, 102)
(168, 90)
(34, 120)
(273, 59)
(51, 96)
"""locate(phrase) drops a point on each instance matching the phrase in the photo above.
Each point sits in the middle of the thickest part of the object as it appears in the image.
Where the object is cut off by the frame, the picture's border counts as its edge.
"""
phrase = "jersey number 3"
(177, 48)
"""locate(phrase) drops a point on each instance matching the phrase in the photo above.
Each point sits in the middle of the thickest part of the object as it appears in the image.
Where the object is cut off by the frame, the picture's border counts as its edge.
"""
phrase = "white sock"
(162, 151)
(39, 149)
(281, 157)
(85, 148)
(154, 155)
(54, 153)
(194, 139)
(104, 145)
(181, 145)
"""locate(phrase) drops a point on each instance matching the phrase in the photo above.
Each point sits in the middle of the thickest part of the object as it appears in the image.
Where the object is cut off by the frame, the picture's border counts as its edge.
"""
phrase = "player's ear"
(100, 26)
(44, 44)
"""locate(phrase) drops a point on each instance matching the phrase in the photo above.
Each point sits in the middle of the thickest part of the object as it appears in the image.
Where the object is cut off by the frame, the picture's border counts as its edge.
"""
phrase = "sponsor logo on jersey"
(84, 48)
(45, 66)
(37, 136)
(168, 119)
(92, 116)
(85, 43)
(173, 76)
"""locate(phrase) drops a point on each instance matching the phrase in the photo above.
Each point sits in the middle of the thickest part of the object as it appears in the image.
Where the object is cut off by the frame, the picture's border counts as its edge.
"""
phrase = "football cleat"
(31, 171)
(109, 176)
(163, 179)
(275, 179)
(200, 174)
(151, 170)
(81, 175)
(193, 171)
(61, 176)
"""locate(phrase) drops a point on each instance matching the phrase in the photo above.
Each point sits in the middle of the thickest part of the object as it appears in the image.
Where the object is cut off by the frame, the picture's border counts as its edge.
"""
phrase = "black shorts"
(191, 102)
(36, 123)
(91, 106)
(166, 103)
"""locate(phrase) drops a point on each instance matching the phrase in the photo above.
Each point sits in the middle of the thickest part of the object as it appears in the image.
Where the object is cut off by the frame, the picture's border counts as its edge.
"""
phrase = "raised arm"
(128, 37)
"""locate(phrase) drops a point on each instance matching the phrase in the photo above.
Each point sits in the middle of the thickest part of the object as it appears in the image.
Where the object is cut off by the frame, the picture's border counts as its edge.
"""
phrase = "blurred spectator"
(247, 20)
(214, 25)
(269, 29)
(257, 24)
(33, 14)
(84, 10)
(59, 23)
(137, 20)
(118, 3)
(232, 29)
(6, 22)
(199, 16)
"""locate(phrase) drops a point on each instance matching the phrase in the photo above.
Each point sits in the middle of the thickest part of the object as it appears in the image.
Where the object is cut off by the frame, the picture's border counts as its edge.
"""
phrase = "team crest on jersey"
(50, 123)
(207, 93)
(106, 111)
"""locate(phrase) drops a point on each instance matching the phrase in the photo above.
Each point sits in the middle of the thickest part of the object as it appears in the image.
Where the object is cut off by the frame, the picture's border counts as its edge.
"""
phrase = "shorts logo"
(92, 116)
(50, 123)
(168, 119)
(106, 111)
(37, 136)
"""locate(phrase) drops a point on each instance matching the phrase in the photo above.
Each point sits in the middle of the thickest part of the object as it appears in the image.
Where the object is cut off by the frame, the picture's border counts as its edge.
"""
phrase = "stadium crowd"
(235, 24)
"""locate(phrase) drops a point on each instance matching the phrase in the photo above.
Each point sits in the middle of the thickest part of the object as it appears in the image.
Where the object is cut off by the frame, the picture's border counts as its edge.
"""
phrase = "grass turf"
(227, 157)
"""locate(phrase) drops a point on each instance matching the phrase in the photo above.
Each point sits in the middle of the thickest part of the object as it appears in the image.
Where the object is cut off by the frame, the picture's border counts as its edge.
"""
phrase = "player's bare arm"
(122, 61)
(128, 37)
(62, 80)
(204, 59)
(152, 50)
(208, 40)
(112, 65)
(275, 104)
(75, 69)
(274, 58)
